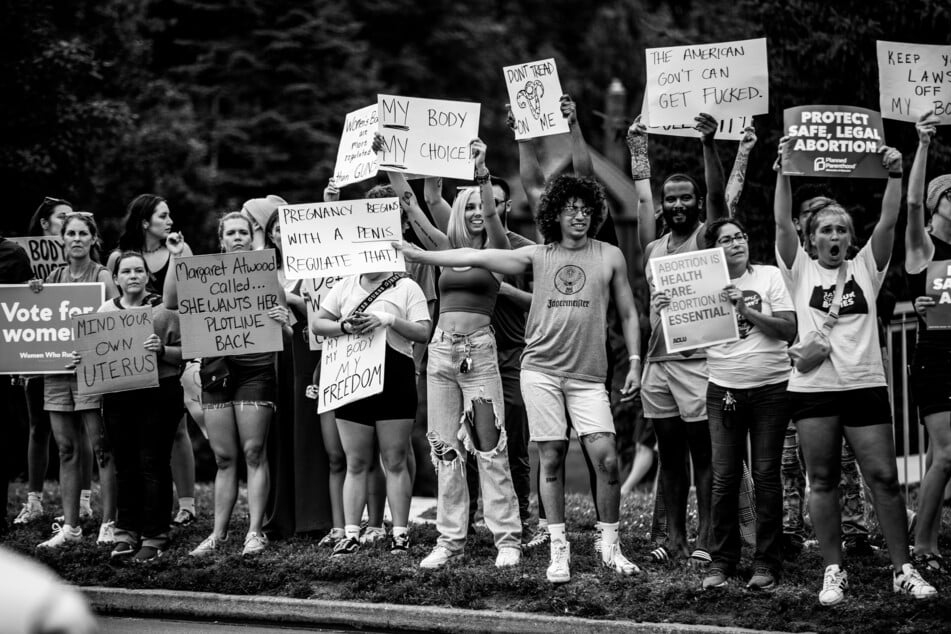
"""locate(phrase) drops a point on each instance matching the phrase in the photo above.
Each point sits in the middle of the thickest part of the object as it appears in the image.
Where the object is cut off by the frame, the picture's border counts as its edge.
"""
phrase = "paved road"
(117, 625)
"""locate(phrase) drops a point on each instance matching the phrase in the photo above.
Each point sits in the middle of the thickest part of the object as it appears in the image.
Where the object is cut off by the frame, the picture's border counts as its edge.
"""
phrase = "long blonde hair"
(457, 231)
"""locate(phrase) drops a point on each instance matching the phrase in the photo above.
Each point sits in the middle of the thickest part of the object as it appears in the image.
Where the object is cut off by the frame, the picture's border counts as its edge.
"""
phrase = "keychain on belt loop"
(466, 366)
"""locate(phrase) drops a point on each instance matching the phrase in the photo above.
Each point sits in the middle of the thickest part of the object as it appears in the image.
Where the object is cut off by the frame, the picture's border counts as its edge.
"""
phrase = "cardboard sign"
(356, 161)
(840, 141)
(729, 129)
(351, 368)
(428, 136)
(727, 79)
(913, 79)
(114, 358)
(46, 253)
(223, 301)
(314, 291)
(35, 332)
(938, 287)
(346, 237)
(700, 312)
(534, 94)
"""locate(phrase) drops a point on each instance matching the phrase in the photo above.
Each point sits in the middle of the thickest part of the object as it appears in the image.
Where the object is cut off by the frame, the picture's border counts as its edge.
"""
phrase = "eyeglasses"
(572, 210)
(726, 241)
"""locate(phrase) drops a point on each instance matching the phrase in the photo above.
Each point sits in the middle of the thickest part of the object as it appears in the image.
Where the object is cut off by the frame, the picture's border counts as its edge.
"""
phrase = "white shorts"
(547, 397)
(675, 388)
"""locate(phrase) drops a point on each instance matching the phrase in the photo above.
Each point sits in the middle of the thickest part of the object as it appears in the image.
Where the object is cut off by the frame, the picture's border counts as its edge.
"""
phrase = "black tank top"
(931, 341)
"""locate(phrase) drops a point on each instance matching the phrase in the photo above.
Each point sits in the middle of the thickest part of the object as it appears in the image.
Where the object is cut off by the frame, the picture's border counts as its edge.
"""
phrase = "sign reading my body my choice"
(728, 79)
(700, 312)
(348, 237)
(35, 333)
(223, 301)
(114, 358)
(427, 136)
(46, 253)
(840, 141)
(913, 79)
(534, 96)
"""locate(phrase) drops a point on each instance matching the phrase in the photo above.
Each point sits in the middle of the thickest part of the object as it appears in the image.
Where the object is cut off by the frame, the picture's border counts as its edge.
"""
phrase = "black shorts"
(398, 399)
(931, 381)
(855, 408)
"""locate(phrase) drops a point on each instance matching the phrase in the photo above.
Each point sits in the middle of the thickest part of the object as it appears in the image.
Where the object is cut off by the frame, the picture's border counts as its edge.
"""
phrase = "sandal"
(931, 562)
(660, 555)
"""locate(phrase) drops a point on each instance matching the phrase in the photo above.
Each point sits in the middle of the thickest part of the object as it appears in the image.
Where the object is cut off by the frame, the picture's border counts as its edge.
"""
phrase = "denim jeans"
(453, 397)
(761, 413)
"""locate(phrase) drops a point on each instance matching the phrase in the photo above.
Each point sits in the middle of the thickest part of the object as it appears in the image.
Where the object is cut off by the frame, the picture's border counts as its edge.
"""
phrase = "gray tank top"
(565, 332)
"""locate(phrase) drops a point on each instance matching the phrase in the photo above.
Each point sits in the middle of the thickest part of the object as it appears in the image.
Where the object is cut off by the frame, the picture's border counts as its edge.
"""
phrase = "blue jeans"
(454, 398)
(761, 413)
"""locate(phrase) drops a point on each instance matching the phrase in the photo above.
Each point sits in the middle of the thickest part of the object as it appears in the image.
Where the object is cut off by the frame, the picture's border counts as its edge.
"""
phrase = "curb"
(350, 614)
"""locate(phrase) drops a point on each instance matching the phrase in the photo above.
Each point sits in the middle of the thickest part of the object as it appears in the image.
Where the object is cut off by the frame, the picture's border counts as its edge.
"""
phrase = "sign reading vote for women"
(700, 312)
(347, 237)
(223, 301)
(729, 79)
(913, 79)
(938, 287)
(534, 93)
(840, 141)
(45, 252)
(356, 160)
(314, 291)
(729, 129)
(427, 136)
(35, 333)
(351, 368)
(111, 346)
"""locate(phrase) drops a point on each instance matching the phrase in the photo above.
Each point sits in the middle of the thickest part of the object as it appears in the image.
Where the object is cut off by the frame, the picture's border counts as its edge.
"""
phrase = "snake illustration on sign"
(570, 279)
(531, 96)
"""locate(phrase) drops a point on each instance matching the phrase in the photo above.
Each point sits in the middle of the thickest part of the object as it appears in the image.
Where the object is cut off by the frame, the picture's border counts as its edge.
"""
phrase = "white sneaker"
(558, 570)
(62, 535)
(107, 533)
(439, 557)
(834, 583)
(32, 510)
(372, 535)
(254, 543)
(910, 582)
(208, 546)
(612, 557)
(508, 556)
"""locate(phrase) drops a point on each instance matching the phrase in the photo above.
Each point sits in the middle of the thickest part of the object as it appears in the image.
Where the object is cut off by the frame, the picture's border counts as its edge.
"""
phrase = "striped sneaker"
(909, 582)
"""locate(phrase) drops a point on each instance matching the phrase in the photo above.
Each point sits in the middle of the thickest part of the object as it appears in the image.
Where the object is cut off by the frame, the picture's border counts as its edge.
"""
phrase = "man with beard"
(674, 385)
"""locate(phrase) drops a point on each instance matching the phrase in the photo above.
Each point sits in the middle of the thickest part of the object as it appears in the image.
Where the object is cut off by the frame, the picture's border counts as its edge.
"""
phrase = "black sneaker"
(399, 544)
(146, 554)
(122, 550)
(346, 546)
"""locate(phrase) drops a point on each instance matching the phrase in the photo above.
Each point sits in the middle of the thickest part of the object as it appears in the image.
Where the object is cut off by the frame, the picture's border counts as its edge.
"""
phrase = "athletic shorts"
(675, 388)
(547, 398)
(398, 399)
(60, 394)
(855, 408)
(931, 382)
(248, 383)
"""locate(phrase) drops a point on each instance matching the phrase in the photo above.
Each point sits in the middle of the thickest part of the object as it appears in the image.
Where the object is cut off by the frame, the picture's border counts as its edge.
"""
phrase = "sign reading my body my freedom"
(351, 368)
(938, 287)
(46, 253)
(348, 237)
(913, 79)
(223, 301)
(534, 96)
(356, 160)
(700, 312)
(728, 79)
(35, 333)
(114, 358)
(427, 136)
(840, 141)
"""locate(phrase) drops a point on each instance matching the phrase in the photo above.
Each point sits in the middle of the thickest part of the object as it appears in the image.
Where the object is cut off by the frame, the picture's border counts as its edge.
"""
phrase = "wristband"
(634, 357)
(482, 179)
(894, 174)
(343, 329)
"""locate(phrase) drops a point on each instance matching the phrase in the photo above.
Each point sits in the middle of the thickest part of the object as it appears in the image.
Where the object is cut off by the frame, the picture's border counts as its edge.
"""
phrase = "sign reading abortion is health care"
(700, 312)
(111, 346)
(840, 141)
(46, 253)
(728, 79)
(534, 96)
(938, 287)
(913, 79)
(347, 237)
(223, 301)
(356, 160)
(35, 333)
(729, 129)
(351, 368)
(427, 136)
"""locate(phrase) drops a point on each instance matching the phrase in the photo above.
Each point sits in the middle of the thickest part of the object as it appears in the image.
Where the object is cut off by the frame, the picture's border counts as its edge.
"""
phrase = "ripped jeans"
(454, 398)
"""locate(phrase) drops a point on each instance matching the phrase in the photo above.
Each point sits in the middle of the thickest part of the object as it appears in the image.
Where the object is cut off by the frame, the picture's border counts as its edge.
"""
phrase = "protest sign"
(314, 291)
(111, 346)
(427, 136)
(729, 129)
(35, 333)
(534, 94)
(840, 141)
(223, 301)
(913, 79)
(356, 160)
(46, 253)
(727, 79)
(700, 312)
(340, 238)
(938, 287)
(351, 368)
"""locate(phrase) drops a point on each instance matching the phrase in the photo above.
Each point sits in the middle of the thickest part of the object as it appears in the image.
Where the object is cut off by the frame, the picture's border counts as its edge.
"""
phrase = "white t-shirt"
(856, 359)
(404, 299)
(755, 359)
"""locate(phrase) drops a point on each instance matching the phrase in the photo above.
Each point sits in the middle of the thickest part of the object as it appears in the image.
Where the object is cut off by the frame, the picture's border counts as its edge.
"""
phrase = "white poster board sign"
(351, 368)
(729, 129)
(913, 79)
(356, 161)
(534, 96)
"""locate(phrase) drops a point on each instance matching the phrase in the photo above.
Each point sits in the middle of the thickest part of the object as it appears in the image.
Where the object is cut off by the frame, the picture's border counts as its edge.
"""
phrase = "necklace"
(155, 250)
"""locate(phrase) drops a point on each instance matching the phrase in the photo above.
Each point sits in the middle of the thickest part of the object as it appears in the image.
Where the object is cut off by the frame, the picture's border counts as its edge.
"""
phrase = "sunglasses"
(81, 214)
(49, 200)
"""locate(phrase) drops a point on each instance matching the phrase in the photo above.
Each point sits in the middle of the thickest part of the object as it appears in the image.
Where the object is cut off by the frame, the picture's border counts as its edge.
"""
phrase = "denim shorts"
(60, 394)
(250, 383)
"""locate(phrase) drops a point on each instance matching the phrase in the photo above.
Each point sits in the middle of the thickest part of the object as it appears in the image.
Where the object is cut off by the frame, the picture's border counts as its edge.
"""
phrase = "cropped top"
(467, 290)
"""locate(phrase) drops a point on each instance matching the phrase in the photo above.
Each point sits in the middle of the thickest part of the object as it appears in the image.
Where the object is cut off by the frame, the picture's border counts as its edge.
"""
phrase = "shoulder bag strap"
(385, 284)
(836, 299)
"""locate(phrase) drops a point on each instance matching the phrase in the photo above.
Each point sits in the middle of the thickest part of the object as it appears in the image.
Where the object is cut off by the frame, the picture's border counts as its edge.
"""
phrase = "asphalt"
(204, 606)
